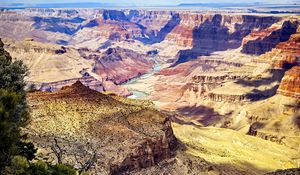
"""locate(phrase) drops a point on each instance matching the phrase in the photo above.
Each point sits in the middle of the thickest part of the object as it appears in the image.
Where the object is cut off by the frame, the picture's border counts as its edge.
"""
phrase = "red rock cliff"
(290, 84)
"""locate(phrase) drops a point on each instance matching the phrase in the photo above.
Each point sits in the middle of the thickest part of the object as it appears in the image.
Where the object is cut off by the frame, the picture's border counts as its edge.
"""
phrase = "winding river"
(139, 94)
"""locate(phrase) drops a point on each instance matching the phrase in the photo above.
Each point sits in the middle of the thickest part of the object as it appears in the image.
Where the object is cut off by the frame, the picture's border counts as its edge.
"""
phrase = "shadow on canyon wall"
(256, 94)
(161, 35)
(54, 24)
(297, 119)
(213, 36)
(205, 115)
(114, 15)
(261, 46)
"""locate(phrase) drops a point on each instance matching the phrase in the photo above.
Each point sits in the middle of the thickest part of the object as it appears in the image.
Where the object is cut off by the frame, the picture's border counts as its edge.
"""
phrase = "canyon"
(198, 79)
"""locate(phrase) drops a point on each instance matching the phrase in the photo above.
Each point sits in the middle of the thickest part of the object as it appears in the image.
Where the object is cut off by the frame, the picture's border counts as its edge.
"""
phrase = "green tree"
(15, 153)
(13, 108)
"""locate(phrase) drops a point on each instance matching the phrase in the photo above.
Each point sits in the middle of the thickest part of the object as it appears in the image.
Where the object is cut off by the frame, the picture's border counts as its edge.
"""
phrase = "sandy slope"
(225, 146)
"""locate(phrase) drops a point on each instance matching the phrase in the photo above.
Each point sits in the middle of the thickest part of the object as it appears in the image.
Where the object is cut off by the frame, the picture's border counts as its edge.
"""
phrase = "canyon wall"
(88, 81)
(290, 84)
(285, 55)
(120, 65)
(53, 66)
(266, 40)
(149, 26)
(221, 32)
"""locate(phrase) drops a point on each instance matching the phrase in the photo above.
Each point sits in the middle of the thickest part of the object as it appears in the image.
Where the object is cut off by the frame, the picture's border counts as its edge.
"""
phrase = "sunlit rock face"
(290, 84)
(120, 65)
(285, 54)
(86, 123)
(266, 40)
(220, 32)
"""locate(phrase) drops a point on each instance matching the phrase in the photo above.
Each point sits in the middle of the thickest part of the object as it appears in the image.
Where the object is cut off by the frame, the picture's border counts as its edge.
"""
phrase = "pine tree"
(13, 108)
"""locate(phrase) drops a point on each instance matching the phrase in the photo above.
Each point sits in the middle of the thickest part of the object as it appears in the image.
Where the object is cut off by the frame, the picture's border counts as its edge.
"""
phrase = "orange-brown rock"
(120, 65)
(263, 41)
(122, 134)
(285, 55)
(118, 30)
(290, 84)
(255, 35)
(185, 34)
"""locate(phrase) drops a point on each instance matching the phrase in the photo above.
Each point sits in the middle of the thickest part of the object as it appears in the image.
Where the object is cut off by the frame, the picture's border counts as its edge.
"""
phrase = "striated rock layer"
(218, 32)
(121, 134)
(286, 53)
(290, 84)
(265, 40)
(120, 65)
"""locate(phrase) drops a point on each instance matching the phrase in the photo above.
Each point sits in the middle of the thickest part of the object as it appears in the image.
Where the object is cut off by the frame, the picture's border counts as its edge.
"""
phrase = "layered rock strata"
(290, 84)
(120, 65)
(285, 55)
(265, 40)
(216, 33)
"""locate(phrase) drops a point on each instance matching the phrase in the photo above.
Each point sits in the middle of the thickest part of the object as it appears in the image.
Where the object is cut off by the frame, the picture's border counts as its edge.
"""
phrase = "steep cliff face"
(266, 40)
(220, 32)
(53, 66)
(285, 55)
(290, 84)
(117, 30)
(122, 135)
(120, 65)
(149, 26)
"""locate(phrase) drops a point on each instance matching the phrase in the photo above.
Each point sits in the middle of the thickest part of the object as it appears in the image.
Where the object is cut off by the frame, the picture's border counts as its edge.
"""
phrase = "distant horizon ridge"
(114, 4)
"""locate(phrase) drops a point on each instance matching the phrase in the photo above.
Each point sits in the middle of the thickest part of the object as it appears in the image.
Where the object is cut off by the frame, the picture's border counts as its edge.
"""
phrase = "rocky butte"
(85, 123)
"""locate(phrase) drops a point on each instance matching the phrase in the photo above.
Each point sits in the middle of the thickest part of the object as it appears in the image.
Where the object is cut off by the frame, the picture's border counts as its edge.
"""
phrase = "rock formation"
(290, 84)
(53, 66)
(120, 65)
(88, 81)
(285, 55)
(265, 40)
(215, 33)
(285, 172)
(123, 135)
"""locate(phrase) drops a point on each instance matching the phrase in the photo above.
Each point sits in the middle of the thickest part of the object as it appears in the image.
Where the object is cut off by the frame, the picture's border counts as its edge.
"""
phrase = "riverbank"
(142, 86)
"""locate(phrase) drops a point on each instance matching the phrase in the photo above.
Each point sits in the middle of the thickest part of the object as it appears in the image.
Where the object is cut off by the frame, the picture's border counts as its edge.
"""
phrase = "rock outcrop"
(290, 84)
(120, 65)
(285, 55)
(122, 135)
(88, 81)
(265, 40)
(291, 171)
(216, 33)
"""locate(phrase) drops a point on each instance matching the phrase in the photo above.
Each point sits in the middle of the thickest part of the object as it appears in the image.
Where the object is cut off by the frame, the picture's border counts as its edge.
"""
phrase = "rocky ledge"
(290, 84)
(117, 135)
(285, 55)
(260, 42)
